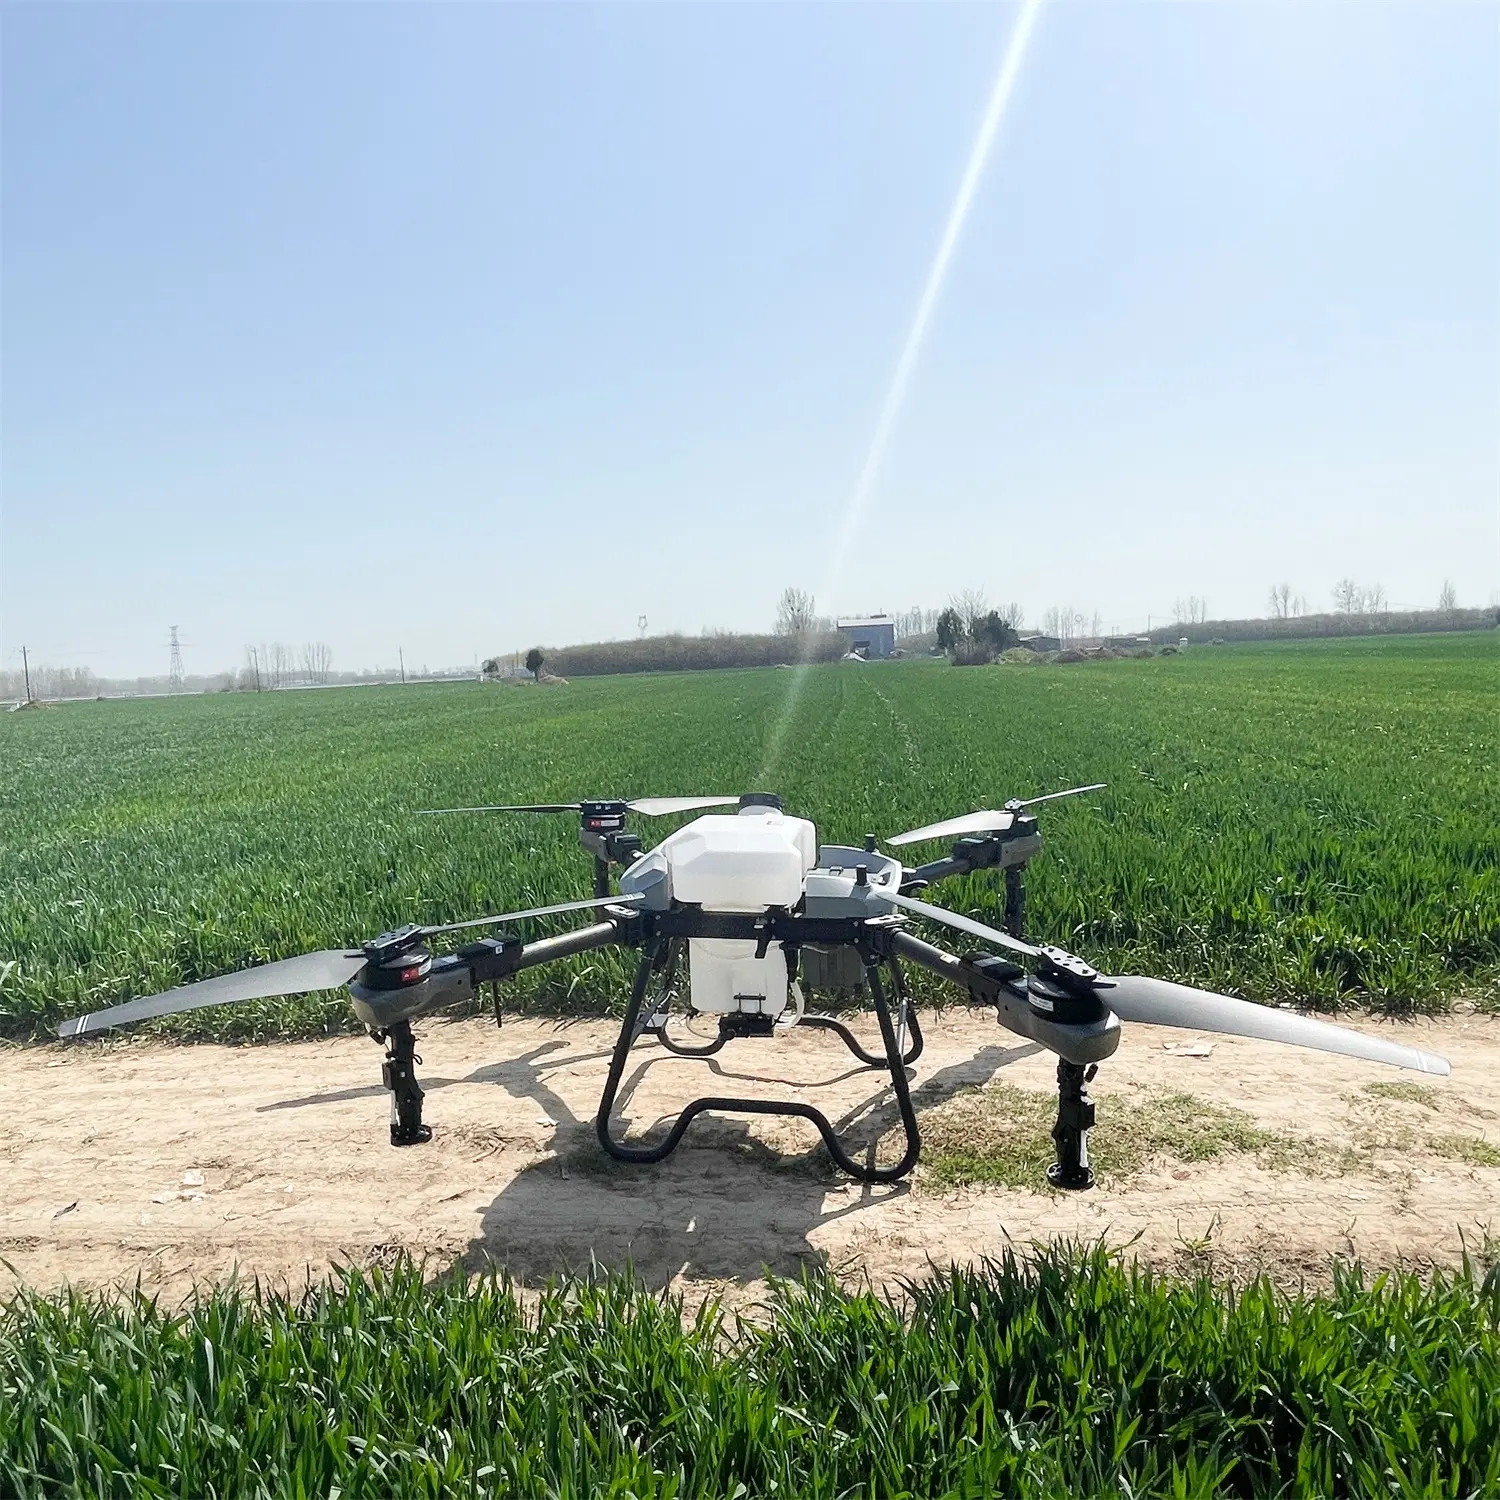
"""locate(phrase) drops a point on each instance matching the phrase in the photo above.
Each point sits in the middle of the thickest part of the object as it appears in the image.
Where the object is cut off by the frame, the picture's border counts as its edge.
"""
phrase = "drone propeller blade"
(962, 924)
(658, 807)
(327, 970)
(975, 822)
(539, 807)
(651, 807)
(988, 821)
(1158, 1002)
(1072, 791)
(535, 911)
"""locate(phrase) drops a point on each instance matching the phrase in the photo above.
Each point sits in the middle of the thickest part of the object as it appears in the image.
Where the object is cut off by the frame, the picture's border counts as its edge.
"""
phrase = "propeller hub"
(390, 944)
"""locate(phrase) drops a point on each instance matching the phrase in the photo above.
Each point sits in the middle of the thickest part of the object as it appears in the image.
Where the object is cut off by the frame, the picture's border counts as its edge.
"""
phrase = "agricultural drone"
(760, 912)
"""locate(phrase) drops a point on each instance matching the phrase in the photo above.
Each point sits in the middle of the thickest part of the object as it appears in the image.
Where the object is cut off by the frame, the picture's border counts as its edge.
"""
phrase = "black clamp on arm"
(1065, 988)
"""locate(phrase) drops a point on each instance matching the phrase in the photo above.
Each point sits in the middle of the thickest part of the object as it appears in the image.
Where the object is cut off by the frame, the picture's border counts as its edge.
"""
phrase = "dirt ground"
(132, 1159)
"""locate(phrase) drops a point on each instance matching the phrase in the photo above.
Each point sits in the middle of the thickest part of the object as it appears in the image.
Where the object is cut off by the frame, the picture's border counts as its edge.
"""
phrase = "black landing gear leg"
(1015, 902)
(1075, 1118)
(400, 1076)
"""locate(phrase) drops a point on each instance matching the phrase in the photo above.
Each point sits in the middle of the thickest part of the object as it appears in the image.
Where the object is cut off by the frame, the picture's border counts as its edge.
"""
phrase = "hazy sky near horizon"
(457, 328)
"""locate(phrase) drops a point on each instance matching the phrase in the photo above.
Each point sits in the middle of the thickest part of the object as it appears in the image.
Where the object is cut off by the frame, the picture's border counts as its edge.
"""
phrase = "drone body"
(758, 910)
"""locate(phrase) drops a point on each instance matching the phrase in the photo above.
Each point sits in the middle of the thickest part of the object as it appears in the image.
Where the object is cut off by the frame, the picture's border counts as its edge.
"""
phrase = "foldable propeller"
(651, 807)
(535, 911)
(292, 976)
(986, 821)
(963, 924)
(1159, 1002)
(328, 970)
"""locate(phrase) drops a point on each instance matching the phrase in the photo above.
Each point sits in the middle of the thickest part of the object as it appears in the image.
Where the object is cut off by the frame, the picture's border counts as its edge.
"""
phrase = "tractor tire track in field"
(904, 740)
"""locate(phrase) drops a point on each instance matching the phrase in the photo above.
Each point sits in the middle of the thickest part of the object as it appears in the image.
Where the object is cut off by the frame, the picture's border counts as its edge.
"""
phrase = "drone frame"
(857, 937)
(880, 941)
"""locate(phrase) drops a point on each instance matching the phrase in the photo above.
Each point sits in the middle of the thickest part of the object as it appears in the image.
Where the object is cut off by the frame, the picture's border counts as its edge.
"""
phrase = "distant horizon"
(345, 676)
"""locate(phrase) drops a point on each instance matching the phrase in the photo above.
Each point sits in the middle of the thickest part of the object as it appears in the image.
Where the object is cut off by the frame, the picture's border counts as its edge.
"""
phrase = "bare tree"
(1347, 596)
(1374, 600)
(1448, 598)
(1191, 611)
(1013, 614)
(317, 659)
(1281, 601)
(1299, 607)
(915, 621)
(794, 612)
(971, 606)
(1064, 622)
(33, 681)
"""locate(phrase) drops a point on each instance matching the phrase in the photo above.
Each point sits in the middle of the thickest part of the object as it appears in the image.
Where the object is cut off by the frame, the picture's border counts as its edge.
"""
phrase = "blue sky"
(457, 328)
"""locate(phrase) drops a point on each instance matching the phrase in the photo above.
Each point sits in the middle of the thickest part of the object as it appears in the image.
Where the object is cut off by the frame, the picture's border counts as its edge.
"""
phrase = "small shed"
(1037, 642)
(870, 636)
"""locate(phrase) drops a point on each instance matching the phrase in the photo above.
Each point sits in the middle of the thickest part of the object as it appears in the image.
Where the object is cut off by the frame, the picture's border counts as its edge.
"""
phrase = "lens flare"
(859, 499)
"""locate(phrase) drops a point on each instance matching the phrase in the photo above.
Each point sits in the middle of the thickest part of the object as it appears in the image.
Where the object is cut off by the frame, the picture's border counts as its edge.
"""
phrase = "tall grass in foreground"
(1070, 1374)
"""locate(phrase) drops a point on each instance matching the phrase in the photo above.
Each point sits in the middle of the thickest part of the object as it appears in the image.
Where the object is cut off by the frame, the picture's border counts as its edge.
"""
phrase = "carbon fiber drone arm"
(994, 851)
(455, 977)
(1002, 984)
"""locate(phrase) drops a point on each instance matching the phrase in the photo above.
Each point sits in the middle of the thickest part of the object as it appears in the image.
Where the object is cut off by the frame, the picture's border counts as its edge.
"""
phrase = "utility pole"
(174, 672)
(26, 668)
(401, 657)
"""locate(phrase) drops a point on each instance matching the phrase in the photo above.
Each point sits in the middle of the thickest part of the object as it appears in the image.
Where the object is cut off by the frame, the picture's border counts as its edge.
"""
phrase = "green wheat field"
(1316, 822)
(1064, 1375)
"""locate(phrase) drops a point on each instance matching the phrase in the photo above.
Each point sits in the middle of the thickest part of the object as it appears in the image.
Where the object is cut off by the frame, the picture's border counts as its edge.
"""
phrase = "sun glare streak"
(859, 498)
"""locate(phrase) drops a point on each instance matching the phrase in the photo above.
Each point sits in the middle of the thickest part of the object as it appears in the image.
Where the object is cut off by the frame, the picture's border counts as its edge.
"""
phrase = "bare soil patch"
(135, 1160)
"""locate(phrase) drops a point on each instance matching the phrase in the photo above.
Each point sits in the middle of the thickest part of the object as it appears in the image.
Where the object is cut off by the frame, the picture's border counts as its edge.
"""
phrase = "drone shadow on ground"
(725, 1205)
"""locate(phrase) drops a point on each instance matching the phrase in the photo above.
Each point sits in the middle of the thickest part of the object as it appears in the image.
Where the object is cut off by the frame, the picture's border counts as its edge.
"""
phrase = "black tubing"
(646, 1155)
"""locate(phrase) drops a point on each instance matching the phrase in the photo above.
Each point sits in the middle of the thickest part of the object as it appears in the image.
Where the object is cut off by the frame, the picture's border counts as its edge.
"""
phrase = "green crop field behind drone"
(1314, 821)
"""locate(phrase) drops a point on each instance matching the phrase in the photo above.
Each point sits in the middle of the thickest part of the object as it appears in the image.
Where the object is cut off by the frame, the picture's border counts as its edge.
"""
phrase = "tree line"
(968, 630)
(279, 665)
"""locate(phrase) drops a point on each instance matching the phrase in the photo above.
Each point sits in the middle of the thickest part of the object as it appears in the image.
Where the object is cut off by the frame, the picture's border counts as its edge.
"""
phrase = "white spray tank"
(743, 862)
